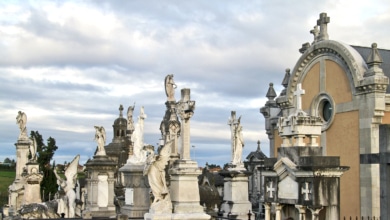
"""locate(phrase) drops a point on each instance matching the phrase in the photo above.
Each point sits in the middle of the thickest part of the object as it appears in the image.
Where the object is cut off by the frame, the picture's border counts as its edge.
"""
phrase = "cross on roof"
(298, 93)
(322, 22)
(121, 111)
(271, 189)
(306, 191)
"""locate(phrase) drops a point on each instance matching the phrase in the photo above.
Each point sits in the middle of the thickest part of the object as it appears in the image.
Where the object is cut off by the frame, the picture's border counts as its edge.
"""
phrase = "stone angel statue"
(21, 120)
(155, 170)
(100, 138)
(68, 205)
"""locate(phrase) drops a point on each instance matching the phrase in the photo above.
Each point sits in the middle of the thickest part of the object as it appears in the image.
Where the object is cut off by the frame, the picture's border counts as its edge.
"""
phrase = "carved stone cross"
(322, 22)
(298, 93)
(306, 191)
(271, 189)
(121, 111)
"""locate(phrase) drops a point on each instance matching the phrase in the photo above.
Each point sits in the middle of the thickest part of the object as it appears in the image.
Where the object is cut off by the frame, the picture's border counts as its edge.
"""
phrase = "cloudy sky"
(70, 64)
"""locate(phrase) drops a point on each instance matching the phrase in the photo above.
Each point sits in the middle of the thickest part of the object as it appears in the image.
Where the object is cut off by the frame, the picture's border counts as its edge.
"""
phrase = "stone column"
(315, 213)
(302, 211)
(267, 214)
(184, 188)
(186, 111)
(278, 211)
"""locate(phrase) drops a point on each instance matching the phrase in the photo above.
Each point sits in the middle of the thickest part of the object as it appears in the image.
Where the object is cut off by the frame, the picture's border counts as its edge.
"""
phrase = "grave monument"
(100, 181)
(235, 197)
(67, 204)
(183, 172)
(137, 198)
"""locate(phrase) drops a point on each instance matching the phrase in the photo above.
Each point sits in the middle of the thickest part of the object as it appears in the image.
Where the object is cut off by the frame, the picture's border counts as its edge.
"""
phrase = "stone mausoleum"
(346, 86)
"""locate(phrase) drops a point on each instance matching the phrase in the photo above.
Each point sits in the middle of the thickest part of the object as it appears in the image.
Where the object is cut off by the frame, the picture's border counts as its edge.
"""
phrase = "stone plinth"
(32, 187)
(184, 190)
(236, 203)
(137, 196)
(100, 187)
(16, 189)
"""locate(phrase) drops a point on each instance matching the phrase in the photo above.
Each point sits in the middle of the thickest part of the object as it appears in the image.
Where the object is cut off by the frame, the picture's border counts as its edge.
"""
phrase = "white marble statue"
(33, 149)
(100, 138)
(155, 170)
(170, 87)
(130, 122)
(139, 154)
(238, 144)
(21, 120)
(67, 205)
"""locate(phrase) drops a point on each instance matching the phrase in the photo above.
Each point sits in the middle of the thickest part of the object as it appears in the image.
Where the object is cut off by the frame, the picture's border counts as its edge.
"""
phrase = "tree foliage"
(45, 153)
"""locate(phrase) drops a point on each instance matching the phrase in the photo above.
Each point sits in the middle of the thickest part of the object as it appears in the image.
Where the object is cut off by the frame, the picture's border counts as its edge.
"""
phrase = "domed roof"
(120, 120)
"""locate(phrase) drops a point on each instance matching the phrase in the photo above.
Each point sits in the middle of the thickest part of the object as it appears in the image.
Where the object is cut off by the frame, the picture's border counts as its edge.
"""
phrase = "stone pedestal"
(16, 189)
(100, 187)
(32, 187)
(184, 190)
(137, 196)
(236, 203)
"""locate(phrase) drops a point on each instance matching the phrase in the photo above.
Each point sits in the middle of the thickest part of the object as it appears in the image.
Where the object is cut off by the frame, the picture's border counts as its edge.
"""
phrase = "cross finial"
(322, 22)
(298, 93)
(258, 146)
(121, 111)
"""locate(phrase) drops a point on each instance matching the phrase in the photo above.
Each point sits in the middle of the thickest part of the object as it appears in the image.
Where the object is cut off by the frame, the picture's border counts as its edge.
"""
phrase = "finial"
(286, 78)
(304, 47)
(374, 58)
(374, 61)
(271, 94)
(258, 146)
(315, 33)
(322, 22)
(121, 111)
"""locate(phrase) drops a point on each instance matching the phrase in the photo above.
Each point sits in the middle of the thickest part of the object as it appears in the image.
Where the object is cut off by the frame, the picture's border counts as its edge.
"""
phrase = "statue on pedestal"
(67, 205)
(100, 138)
(130, 122)
(21, 119)
(155, 170)
(139, 154)
(170, 87)
(238, 144)
(33, 149)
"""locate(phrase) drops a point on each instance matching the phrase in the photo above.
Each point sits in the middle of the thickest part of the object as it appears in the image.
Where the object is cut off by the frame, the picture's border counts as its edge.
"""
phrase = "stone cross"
(121, 111)
(322, 22)
(186, 109)
(298, 93)
(306, 191)
(271, 189)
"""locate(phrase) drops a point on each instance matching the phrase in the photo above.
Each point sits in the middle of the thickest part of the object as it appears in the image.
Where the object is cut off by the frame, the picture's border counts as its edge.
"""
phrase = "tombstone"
(137, 197)
(301, 181)
(236, 203)
(100, 182)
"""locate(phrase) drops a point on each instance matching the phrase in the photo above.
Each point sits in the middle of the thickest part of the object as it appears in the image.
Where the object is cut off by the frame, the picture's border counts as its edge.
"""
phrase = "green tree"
(45, 153)
(7, 160)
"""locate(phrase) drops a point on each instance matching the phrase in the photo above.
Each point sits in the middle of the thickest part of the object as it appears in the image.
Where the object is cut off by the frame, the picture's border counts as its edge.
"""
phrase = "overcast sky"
(70, 64)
